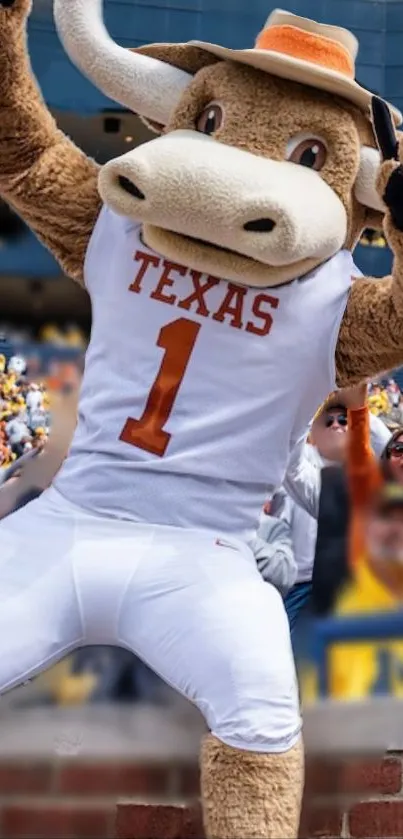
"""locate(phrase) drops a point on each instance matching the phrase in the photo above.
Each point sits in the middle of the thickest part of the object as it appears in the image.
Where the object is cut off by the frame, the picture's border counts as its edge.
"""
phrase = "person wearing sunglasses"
(317, 508)
(367, 476)
(328, 431)
(336, 420)
(392, 457)
(325, 446)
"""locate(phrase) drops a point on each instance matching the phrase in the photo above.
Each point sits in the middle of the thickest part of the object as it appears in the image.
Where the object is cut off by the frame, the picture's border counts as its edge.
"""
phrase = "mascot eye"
(310, 152)
(211, 119)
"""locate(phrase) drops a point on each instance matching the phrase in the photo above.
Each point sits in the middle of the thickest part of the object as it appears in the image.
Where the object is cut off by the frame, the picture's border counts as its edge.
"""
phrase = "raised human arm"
(363, 470)
(303, 479)
(50, 183)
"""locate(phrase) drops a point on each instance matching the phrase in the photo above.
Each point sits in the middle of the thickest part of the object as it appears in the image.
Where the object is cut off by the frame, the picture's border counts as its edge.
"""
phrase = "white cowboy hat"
(151, 81)
(302, 50)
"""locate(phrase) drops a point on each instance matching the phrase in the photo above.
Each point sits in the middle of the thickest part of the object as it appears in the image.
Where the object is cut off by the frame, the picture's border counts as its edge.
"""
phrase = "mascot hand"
(390, 180)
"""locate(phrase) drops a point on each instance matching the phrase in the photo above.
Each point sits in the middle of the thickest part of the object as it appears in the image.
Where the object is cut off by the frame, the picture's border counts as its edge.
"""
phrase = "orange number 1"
(177, 339)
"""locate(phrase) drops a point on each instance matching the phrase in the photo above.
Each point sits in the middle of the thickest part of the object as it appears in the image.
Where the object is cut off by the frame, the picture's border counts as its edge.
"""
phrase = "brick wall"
(73, 799)
(360, 798)
(353, 799)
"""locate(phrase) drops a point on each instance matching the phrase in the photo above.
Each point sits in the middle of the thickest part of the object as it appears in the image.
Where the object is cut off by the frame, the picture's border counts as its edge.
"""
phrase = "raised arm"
(364, 474)
(50, 183)
(303, 479)
(371, 335)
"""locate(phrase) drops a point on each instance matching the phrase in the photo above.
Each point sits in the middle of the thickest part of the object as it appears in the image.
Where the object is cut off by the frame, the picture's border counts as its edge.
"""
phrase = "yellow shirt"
(354, 667)
(379, 403)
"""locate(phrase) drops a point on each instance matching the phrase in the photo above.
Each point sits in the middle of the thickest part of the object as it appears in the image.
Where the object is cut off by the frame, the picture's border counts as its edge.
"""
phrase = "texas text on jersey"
(183, 385)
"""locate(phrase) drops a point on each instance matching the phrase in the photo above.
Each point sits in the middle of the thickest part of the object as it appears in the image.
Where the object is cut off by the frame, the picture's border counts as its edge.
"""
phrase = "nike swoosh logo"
(222, 544)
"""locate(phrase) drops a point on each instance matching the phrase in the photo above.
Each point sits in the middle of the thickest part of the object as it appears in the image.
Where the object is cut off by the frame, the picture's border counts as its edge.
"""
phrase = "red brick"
(354, 776)
(384, 776)
(52, 821)
(159, 821)
(318, 822)
(189, 781)
(114, 779)
(374, 819)
(16, 779)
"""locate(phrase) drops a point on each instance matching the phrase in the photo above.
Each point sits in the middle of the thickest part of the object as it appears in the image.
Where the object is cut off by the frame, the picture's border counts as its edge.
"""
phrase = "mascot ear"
(365, 186)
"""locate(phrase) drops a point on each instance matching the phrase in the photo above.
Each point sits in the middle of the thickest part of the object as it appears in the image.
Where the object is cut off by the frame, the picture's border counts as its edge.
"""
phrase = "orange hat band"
(307, 46)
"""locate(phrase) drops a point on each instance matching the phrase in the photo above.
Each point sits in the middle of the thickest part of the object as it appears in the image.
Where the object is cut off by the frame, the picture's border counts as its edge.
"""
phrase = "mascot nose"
(260, 225)
(131, 188)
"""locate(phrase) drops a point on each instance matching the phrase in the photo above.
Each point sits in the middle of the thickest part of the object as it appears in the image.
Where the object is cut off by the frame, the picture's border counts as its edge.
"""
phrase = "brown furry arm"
(50, 183)
(371, 336)
(370, 341)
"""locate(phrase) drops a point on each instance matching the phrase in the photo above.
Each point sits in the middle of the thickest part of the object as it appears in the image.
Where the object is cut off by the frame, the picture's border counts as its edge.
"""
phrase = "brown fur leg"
(248, 794)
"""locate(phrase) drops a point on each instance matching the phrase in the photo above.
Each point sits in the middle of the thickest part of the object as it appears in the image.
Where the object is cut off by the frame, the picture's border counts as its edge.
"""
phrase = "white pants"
(192, 606)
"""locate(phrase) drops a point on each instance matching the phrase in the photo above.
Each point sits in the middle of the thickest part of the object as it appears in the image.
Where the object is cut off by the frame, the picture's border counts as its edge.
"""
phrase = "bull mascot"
(226, 306)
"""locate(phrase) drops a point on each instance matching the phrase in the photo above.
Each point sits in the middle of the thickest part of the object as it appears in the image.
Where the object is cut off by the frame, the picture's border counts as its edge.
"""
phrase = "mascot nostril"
(260, 225)
(131, 188)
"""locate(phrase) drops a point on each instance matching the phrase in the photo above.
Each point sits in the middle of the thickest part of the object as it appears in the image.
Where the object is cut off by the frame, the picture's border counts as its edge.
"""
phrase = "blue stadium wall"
(378, 25)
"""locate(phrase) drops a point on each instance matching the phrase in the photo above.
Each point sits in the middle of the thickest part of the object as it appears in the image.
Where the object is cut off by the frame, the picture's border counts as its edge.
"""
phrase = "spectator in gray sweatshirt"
(274, 552)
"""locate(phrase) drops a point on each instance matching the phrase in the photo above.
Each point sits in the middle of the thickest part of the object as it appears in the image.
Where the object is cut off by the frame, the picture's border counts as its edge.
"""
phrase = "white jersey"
(195, 389)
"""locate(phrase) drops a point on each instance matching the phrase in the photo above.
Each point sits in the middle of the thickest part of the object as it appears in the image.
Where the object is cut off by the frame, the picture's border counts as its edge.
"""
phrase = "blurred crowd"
(373, 239)
(385, 400)
(24, 411)
(52, 335)
(33, 366)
